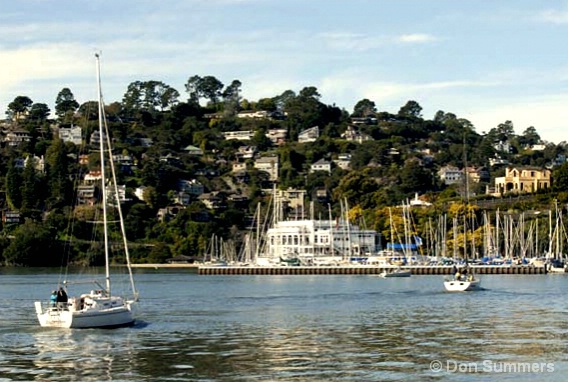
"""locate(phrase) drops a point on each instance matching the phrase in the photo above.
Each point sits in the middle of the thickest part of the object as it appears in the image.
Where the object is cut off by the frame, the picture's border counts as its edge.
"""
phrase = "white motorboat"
(461, 283)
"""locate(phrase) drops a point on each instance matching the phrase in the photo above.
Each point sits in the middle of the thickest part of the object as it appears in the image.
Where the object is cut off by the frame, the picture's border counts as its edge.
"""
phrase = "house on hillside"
(193, 151)
(269, 164)
(522, 180)
(343, 161)
(71, 134)
(353, 135)
(321, 165)
(244, 135)
(14, 138)
(309, 135)
(450, 175)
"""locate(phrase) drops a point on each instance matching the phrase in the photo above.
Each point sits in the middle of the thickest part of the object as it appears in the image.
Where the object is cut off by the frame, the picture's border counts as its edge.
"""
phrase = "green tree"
(14, 186)
(34, 244)
(364, 108)
(411, 109)
(65, 104)
(31, 194)
(19, 107)
(560, 178)
(58, 182)
(39, 112)
(210, 88)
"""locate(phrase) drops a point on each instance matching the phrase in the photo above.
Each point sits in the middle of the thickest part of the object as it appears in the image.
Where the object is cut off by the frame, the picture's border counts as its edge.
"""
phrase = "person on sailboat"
(61, 297)
(53, 298)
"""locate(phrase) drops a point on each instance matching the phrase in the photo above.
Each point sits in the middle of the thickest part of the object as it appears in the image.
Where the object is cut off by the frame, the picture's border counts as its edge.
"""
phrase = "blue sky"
(486, 61)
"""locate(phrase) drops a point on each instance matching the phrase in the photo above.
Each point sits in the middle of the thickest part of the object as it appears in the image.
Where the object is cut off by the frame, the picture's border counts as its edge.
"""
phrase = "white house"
(244, 135)
(309, 135)
(321, 165)
(450, 174)
(71, 134)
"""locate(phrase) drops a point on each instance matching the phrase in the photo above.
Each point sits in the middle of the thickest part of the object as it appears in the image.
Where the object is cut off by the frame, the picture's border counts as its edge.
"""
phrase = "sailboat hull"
(395, 274)
(103, 313)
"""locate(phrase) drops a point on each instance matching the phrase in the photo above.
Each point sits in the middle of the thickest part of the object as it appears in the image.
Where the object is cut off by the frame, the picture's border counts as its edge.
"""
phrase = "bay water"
(296, 328)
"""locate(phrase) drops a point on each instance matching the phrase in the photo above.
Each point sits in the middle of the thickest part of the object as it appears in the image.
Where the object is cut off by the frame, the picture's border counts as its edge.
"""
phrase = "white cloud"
(416, 38)
(547, 114)
(553, 16)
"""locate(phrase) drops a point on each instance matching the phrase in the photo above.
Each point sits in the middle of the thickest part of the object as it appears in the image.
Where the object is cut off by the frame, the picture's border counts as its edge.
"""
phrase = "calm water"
(297, 328)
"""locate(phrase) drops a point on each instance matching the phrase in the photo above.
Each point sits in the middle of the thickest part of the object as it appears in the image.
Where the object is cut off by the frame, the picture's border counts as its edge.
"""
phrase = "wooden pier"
(364, 270)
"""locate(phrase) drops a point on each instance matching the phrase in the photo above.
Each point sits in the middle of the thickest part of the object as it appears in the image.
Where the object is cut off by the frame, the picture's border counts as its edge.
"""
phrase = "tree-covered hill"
(161, 140)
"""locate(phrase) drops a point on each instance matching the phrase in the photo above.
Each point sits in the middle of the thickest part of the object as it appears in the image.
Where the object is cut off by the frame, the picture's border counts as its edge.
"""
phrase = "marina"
(363, 270)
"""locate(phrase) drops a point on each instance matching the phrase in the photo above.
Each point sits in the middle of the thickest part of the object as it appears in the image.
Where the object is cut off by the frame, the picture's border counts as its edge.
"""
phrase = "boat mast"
(103, 177)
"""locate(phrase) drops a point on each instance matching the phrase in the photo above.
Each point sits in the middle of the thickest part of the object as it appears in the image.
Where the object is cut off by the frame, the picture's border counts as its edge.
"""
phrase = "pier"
(364, 270)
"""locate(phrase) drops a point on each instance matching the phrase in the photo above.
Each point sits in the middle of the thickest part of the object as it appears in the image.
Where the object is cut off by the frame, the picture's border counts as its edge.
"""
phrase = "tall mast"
(103, 175)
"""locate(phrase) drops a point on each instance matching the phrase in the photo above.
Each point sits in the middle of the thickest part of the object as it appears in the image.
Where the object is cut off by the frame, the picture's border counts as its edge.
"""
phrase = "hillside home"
(498, 161)
(121, 189)
(522, 180)
(86, 194)
(321, 165)
(71, 134)
(477, 175)
(309, 135)
(277, 136)
(166, 214)
(253, 114)
(39, 163)
(182, 198)
(211, 200)
(246, 152)
(352, 135)
(14, 138)
(343, 161)
(503, 146)
(245, 135)
(193, 151)
(92, 177)
(191, 187)
(269, 164)
(11, 217)
(450, 175)
(95, 138)
(291, 197)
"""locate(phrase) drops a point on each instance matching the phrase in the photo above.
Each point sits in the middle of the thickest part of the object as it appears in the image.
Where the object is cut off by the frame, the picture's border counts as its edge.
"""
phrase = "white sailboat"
(463, 279)
(396, 272)
(98, 308)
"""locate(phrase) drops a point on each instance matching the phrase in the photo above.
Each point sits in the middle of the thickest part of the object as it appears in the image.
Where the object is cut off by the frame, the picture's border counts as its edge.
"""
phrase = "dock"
(365, 270)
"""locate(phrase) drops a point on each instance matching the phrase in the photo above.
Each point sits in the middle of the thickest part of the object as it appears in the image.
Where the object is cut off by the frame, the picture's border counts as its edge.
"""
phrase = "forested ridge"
(154, 124)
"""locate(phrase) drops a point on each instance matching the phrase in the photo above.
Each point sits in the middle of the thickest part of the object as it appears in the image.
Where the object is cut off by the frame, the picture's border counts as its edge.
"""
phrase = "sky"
(485, 61)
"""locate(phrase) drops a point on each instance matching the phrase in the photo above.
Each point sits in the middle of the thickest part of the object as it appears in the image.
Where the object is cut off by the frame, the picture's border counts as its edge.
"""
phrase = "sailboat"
(396, 272)
(463, 279)
(97, 308)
